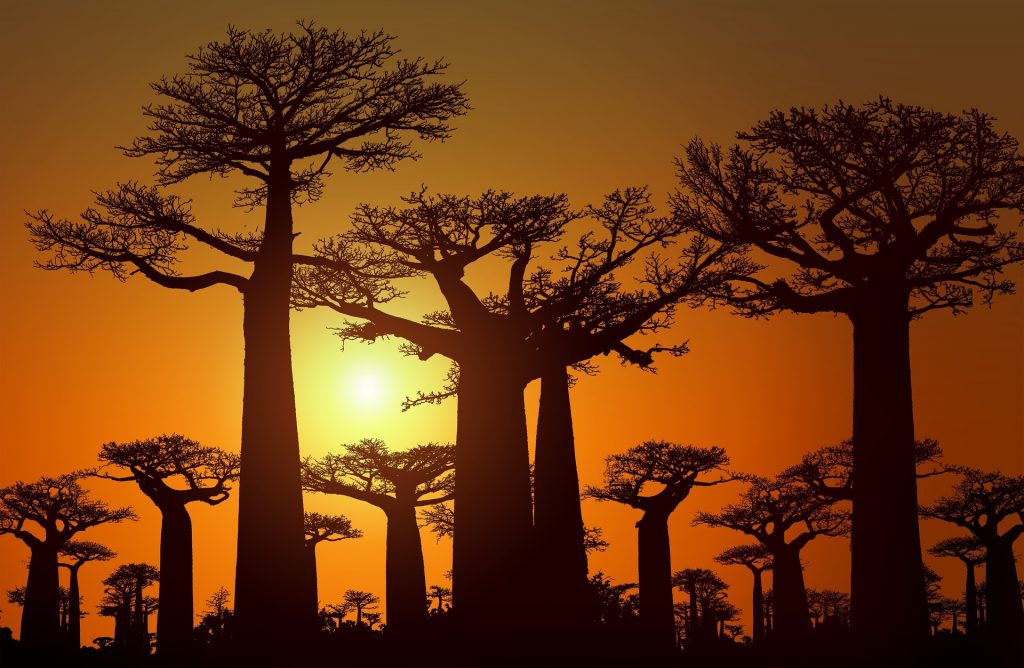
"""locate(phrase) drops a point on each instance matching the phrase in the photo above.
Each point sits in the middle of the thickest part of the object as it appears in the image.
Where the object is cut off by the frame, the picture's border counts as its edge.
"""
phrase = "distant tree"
(17, 597)
(936, 601)
(954, 608)
(757, 558)
(277, 109)
(705, 593)
(593, 540)
(79, 553)
(611, 603)
(881, 212)
(655, 477)
(971, 552)
(980, 503)
(398, 483)
(835, 607)
(58, 508)
(362, 602)
(442, 595)
(767, 510)
(214, 626)
(126, 602)
(173, 471)
(440, 518)
(320, 528)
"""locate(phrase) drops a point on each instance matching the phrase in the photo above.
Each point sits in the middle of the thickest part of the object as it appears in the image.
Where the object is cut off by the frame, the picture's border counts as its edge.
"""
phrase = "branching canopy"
(327, 528)
(755, 557)
(980, 502)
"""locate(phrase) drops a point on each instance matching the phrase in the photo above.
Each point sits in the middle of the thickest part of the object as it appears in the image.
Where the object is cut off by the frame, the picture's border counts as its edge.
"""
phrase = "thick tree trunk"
(792, 613)
(655, 571)
(758, 607)
(174, 623)
(493, 508)
(971, 602)
(139, 637)
(275, 590)
(561, 560)
(74, 639)
(1005, 614)
(40, 617)
(405, 583)
(888, 601)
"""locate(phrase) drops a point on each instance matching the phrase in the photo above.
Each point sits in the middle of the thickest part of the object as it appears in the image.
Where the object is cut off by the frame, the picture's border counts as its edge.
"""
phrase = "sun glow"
(368, 388)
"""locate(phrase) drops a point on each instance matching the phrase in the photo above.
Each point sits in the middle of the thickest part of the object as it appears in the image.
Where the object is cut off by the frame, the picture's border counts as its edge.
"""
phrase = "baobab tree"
(768, 509)
(440, 594)
(971, 552)
(173, 471)
(398, 483)
(276, 109)
(46, 515)
(363, 602)
(126, 602)
(320, 528)
(756, 558)
(655, 477)
(705, 592)
(881, 212)
(980, 503)
(78, 553)
(554, 316)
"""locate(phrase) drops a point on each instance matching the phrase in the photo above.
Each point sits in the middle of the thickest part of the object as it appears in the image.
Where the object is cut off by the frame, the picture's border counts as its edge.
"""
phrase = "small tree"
(655, 477)
(320, 528)
(971, 552)
(705, 593)
(58, 509)
(363, 602)
(881, 212)
(276, 109)
(757, 558)
(126, 602)
(213, 627)
(980, 503)
(174, 471)
(79, 553)
(398, 483)
(767, 510)
(443, 595)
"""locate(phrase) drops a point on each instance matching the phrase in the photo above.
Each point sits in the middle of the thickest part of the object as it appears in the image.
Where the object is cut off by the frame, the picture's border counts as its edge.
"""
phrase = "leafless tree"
(277, 109)
(655, 477)
(881, 212)
(767, 511)
(398, 483)
(46, 515)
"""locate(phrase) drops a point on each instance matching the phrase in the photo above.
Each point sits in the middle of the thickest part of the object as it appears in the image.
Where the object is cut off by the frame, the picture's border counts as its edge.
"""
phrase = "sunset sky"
(573, 97)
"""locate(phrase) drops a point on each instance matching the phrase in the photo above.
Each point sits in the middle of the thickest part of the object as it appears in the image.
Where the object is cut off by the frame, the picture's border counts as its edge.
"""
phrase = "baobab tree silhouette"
(885, 212)
(320, 528)
(79, 553)
(767, 510)
(126, 602)
(980, 502)
(398, 483)
(758, 559)
(173, 471)
(59, 508)
(362, 602)
(971, 551)
(655, 477)
(705, 606)
(276, 108)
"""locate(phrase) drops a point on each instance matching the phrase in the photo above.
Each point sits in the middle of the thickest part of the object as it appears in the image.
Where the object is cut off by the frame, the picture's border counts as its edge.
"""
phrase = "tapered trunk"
(174, 623)
(758, 607)
(691, 619)
(792, 613)
(493, 509)
(971, 600)
(122, 624)
(888, 601)
(1002, 590)
(655, 570)
(561, 560)
(405, 583)
(139, 637)
(74, 638)
(309, 550)
(40, 617)
(275, 590)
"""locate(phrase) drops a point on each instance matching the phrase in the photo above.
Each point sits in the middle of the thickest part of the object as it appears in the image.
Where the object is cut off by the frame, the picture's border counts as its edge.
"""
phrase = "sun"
(366, 387)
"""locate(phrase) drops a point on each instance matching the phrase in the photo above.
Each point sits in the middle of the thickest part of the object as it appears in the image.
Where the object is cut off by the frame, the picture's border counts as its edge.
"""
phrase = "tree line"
(880, 212)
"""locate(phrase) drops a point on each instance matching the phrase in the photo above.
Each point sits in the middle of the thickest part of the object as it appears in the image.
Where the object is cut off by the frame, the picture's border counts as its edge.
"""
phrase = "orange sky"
(574, 97)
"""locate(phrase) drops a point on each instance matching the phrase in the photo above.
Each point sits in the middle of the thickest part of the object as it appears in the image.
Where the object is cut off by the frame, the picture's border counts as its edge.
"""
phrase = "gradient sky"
(574, 97)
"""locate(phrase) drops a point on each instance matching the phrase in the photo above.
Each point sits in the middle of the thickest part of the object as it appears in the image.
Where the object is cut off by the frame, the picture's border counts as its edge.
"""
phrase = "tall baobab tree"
(767, 511)
(126, 602)
(881, 212)
(79, 553)
(398, 483)
(655, 477)
(980, 503)
(276, 109)
(173, 471)
(551, 318)
(971, 552)
(320, 528)
(756, 558)
(46, 515)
